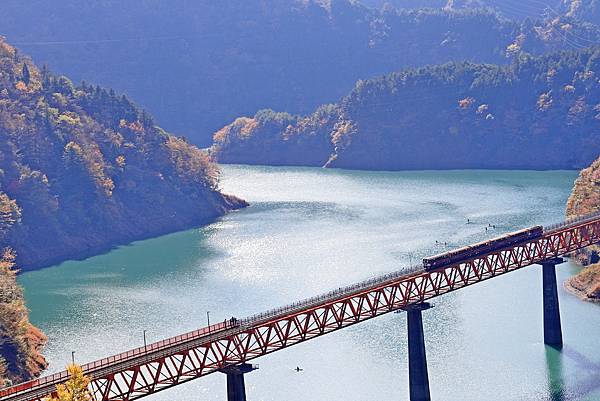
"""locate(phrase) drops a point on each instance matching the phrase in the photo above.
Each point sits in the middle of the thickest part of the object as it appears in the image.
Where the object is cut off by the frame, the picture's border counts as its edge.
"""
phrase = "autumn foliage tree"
(20, 342)
(536, 113)
(87, 168)
(75, 389)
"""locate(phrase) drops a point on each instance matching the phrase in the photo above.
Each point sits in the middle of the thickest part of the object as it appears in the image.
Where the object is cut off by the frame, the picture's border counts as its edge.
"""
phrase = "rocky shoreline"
(585, 199)
(586, 284)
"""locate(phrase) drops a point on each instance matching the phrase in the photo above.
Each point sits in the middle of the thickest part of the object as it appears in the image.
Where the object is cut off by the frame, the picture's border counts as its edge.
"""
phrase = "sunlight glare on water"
(310, 230)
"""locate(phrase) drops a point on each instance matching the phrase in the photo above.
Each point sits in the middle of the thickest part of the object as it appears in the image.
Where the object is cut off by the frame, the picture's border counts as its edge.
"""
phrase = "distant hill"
(536, 113)
(197, 65)
(82, 169)
(585, 10)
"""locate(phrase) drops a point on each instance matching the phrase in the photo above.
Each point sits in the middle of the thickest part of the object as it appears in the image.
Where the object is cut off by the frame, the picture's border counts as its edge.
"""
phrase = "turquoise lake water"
(310, 230)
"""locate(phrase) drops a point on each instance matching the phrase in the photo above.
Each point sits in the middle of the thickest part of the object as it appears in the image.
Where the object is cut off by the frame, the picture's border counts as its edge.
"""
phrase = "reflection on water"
(588, 385)
(311, 230)
(555, 374)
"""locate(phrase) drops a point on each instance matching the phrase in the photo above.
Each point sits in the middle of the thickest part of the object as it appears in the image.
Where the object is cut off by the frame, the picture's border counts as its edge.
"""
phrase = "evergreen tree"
(25, 73)
(45, 76)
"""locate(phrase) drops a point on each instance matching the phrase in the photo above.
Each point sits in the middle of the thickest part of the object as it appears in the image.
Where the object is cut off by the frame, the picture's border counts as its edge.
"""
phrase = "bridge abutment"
(552, 326)
(236, 387)
(417, 360)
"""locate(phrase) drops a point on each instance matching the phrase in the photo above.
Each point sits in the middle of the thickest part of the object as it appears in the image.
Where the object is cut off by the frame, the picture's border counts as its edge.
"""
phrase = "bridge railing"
(331, 295)
(90, 367)
(319, 299)
(572, 221)
(381, 279)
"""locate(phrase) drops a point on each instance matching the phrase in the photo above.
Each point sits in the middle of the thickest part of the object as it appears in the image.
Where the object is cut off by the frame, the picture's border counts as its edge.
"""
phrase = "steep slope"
(537, 113)
(82, 169)
(197, 65)
(585, 199)
(586, 284)
(20, 342)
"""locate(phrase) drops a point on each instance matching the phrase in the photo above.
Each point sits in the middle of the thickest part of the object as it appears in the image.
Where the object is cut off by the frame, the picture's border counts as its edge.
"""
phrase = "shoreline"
(568, 286)
(572, 289)
(566, 169)
(232, 204)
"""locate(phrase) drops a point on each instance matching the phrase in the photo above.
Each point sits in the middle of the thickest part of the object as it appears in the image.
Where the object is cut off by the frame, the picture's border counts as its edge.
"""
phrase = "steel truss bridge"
(228, 346)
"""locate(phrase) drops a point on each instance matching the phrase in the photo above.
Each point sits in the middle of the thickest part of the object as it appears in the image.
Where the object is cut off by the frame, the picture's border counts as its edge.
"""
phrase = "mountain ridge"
(87, 168)
(82, 170)
(198, 65)
(452, 116)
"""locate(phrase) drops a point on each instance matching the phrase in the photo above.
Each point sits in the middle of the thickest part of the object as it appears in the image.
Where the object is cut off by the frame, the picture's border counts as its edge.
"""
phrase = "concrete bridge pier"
(552, 327)
(417, 361)
(236, 388)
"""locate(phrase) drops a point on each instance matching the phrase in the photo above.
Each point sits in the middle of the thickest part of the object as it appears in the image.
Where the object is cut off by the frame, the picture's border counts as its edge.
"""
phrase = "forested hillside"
(20, 341)
(586, 10)
(196, 65)
(83, 169)
(536, 113)
(585, 199)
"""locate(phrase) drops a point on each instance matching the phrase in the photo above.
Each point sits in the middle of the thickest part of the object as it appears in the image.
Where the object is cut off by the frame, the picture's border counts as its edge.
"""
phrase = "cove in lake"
(311, 230)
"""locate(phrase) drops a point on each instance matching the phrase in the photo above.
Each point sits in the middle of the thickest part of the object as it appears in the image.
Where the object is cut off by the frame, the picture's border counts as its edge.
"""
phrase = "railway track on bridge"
(164, 364)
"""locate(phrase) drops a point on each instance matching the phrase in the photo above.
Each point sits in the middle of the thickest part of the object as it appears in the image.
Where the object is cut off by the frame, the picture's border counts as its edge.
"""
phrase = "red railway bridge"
(228, 346)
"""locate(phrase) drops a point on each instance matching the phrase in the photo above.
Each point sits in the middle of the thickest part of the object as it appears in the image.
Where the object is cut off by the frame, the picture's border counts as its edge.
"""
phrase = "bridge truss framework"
(154, 370)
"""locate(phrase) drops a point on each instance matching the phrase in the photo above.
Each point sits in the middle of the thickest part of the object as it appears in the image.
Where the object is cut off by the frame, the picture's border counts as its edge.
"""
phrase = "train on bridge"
(459, 255)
